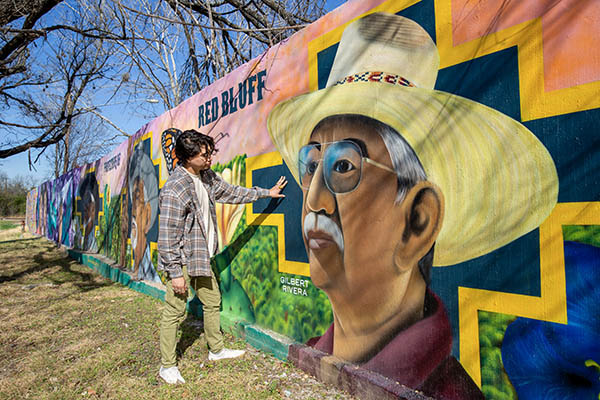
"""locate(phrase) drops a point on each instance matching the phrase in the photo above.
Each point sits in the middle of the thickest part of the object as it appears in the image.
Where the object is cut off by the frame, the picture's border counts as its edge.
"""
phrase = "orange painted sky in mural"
(571, 33)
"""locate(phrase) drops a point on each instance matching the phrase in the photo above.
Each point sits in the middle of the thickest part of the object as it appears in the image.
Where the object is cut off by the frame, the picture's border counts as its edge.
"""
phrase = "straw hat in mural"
(499, 182)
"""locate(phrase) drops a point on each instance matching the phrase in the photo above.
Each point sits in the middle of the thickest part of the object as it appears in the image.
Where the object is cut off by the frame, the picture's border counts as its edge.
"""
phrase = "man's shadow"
(193, 326)
(191, 329)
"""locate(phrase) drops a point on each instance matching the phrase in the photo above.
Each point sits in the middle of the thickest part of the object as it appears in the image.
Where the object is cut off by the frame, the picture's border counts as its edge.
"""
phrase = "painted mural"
(112, 229)
(31, 207)
(442, 222)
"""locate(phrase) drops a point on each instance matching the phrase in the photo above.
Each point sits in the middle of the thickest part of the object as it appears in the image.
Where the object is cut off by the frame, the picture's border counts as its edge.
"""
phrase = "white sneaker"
(225, 353)
(171, 375)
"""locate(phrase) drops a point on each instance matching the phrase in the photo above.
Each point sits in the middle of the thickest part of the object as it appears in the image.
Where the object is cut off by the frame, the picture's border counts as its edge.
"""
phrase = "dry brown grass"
(68, 333)
(14, 233)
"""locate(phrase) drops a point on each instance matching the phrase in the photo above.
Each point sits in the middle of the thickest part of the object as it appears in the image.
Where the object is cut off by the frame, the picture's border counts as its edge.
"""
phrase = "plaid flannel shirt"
(181, 231)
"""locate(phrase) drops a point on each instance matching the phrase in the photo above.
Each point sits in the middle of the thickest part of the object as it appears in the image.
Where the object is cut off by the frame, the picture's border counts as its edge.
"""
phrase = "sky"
(18, 165)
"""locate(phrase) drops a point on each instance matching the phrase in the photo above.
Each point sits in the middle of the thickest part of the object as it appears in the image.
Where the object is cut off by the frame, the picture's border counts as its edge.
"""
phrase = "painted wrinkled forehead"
(348, 126)
(350, 123)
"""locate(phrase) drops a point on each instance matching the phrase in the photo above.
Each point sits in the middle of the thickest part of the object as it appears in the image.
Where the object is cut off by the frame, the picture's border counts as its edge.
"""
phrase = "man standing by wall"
(187, 239)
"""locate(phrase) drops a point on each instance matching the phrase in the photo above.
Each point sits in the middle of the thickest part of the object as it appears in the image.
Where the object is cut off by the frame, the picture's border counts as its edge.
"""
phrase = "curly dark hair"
(189, 145)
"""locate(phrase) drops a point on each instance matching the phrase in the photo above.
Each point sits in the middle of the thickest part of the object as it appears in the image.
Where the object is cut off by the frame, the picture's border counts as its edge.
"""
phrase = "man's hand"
(275, 191)
(179, 285)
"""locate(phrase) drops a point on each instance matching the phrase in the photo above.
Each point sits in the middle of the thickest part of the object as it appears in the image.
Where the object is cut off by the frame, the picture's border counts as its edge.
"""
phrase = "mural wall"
(442, 221)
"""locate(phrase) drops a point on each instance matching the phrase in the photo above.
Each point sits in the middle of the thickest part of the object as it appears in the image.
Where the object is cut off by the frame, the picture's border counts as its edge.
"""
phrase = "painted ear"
(423, 212)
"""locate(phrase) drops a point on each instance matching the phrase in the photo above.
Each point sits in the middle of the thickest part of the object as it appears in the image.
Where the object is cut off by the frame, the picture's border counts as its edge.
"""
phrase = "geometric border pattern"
(285, 266)
(550, 306)
(527, 37)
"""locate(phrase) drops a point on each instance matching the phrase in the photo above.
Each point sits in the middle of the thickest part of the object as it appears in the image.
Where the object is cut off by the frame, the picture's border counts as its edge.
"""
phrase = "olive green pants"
(174, 310)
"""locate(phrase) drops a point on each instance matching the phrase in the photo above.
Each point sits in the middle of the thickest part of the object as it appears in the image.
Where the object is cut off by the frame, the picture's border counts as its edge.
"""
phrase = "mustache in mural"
(318, 227)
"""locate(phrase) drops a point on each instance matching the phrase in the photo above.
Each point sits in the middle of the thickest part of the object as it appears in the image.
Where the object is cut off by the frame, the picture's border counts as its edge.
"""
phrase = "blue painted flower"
(546, 360)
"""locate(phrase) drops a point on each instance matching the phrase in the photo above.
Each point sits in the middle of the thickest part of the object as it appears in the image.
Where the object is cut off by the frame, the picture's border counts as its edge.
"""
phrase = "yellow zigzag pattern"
(285, 266)
(535, 101)
(551, 305)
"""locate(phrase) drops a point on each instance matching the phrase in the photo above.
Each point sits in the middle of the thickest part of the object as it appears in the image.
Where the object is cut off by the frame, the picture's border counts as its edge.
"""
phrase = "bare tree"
(80, 146)
(15, 42)
(175, 48)
(46, 89)
(63, 60)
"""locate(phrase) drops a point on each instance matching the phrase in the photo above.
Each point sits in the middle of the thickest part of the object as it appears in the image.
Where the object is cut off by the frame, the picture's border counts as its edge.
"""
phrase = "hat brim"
(498, 180)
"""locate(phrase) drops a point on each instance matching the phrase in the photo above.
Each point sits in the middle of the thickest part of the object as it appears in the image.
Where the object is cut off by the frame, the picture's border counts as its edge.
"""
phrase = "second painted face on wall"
(141, 214)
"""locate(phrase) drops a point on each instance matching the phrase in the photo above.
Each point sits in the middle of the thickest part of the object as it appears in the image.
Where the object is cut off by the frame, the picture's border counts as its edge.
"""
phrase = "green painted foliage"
(255, 266)
(241, 158)
(494, 381)
(587, 234)
(109, 227)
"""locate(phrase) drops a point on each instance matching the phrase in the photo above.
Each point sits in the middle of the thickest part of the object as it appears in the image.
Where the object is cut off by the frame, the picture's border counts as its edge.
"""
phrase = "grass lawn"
(4, 225)
(68, 333)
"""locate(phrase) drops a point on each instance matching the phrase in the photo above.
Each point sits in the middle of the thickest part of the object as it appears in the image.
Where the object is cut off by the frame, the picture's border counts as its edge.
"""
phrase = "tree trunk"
(66, 157)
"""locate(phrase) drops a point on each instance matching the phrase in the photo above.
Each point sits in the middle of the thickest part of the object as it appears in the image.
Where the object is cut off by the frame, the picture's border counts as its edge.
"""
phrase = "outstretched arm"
(232, 194)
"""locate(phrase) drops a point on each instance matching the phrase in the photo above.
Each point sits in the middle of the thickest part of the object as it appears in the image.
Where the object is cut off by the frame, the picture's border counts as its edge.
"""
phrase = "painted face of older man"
(141, 216)
(363, 246)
